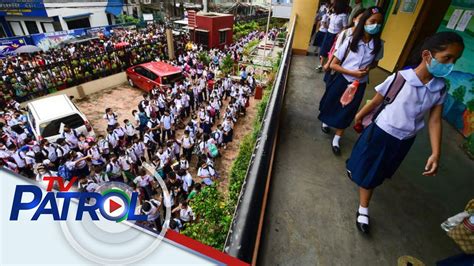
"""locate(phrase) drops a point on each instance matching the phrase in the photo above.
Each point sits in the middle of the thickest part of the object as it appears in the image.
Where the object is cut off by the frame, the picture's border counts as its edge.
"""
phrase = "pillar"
(169, 39)
(305, 13)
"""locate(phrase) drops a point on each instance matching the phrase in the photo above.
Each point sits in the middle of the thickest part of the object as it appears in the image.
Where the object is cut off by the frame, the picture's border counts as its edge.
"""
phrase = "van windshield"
(170, 79)
(51, 128)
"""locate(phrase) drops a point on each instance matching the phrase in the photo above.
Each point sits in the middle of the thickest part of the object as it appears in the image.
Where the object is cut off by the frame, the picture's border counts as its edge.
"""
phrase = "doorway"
(427, 23)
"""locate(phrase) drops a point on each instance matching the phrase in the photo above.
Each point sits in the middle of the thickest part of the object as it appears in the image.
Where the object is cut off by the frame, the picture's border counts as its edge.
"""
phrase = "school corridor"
(310, 215)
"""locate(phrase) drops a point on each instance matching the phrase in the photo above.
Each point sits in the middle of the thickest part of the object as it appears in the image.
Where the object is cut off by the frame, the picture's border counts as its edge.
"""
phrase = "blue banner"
(31, 8)
(7, 47)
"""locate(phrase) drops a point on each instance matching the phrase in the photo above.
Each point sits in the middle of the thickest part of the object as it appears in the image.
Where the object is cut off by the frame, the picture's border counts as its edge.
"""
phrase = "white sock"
(335, 140)
(361, 218)
(363, 210)
(325, 125)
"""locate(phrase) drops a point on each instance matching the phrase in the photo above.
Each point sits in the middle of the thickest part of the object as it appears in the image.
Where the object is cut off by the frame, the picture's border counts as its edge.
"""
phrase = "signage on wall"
(31, 8)
(409, 6)
(8, 47)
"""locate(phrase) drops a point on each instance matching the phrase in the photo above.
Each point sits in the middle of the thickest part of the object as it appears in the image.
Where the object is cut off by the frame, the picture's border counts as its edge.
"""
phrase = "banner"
(7, 47)
(47, 41)
(30, 8)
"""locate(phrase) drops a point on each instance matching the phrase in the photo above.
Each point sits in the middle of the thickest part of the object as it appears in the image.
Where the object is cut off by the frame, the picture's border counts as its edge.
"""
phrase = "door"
(149, 81)
(139, 77)
(427, 23)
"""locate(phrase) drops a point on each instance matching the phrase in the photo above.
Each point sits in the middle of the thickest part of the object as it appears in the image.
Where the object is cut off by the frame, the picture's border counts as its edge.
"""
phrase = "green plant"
(125, 19)
(213, 218)
(204, 58)
(227, 64)
(250, 46)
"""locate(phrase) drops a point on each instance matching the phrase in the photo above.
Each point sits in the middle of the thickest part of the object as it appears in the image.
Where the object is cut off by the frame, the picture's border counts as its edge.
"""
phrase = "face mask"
(438, 69)
(355, 23)
(372, 28)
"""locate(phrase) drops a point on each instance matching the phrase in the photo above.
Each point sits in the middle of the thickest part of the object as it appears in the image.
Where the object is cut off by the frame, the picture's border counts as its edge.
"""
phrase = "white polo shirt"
(358, 60)
(404, 117)
(337, 23)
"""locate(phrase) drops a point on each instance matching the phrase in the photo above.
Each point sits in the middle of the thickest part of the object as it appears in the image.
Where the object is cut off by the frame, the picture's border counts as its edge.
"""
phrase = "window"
(31, 118)
(47, 26)
(150, 75)
(31, 27)
(16, 28)
(202, 37)
(3, 34)
(49, 129)
(170, 79)
(141, 71)
(79, 23)
(222, 37)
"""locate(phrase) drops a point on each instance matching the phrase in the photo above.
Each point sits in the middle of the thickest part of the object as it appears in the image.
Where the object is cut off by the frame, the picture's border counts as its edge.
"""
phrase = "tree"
(227, 64)
(125, 19)
(459, 93)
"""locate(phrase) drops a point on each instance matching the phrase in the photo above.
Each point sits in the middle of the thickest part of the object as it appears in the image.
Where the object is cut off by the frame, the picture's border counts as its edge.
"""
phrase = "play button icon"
(113, 205)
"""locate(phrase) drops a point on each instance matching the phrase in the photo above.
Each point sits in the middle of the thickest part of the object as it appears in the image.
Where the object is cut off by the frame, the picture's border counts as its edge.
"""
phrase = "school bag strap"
(393, 90)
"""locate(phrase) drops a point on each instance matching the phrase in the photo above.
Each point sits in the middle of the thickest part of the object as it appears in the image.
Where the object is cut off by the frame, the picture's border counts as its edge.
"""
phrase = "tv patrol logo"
(113, 203)
(118, 228)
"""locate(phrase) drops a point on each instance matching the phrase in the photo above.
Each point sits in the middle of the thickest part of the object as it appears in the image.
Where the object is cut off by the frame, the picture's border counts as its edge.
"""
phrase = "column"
(305, 13)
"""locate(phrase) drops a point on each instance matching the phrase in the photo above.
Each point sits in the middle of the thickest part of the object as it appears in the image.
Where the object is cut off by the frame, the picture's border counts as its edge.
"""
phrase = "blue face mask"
(372, 28)
(438, 69)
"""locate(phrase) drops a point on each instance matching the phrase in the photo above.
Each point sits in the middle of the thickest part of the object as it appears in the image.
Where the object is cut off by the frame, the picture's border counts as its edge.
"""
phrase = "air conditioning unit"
(146, 2)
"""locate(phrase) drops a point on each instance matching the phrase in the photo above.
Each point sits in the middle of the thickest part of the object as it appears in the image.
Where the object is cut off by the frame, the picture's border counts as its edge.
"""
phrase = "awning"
(73, 17)
(202, 30)
(114, 7)
(226, 29)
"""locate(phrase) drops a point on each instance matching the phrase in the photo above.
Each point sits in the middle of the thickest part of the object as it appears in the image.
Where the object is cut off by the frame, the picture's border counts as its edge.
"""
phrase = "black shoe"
(364, 228)
(325, 130)
(336, 150)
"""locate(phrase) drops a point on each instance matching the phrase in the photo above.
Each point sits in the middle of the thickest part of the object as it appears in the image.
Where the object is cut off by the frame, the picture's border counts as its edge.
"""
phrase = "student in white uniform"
(111, 118)
(384, 144)
(337, 22)
(352, 62)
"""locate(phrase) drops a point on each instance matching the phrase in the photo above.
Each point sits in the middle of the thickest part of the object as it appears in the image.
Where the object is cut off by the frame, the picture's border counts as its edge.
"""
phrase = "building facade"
(26, 17)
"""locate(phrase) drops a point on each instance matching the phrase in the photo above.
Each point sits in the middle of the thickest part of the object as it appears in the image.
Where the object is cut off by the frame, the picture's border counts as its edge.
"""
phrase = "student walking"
(383, 145)
(352, 62)
(337, 22)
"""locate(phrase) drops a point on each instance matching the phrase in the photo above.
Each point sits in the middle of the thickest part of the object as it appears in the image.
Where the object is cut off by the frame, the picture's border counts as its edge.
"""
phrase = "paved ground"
(310, 218)
(123, 99)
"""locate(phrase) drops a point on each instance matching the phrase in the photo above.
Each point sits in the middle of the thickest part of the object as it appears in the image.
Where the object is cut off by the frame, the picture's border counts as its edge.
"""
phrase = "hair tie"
(375, 10)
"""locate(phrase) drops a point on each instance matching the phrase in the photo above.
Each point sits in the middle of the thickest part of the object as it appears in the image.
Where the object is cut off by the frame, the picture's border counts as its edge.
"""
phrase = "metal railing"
(244, 235)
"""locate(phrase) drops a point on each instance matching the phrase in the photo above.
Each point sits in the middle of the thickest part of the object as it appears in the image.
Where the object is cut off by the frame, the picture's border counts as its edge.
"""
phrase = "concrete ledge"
(88, 88)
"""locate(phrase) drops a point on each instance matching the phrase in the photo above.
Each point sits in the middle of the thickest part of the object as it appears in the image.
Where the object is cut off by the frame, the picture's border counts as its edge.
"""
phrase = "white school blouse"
(358, 60)
(337, 23)
(404, 117)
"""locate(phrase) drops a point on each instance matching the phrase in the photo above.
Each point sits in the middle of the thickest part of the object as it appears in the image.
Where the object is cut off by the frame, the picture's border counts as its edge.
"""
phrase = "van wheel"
(130, 82)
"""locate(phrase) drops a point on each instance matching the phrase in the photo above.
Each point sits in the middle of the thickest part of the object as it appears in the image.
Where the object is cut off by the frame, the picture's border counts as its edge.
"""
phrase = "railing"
(244, 235)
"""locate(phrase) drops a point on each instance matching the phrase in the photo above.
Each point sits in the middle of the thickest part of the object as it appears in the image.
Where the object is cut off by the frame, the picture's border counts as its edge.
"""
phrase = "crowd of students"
(174, 130)
(390, 121)
(26, 76)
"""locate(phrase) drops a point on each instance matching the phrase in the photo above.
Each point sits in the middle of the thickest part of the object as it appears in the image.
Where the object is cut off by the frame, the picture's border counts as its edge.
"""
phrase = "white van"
(48, 116)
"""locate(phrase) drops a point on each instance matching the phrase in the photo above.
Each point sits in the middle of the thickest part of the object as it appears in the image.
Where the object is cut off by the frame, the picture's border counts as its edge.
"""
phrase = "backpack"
(64, 172)
(140, 106)
(212, 111)
(213, 151)
(143, 119)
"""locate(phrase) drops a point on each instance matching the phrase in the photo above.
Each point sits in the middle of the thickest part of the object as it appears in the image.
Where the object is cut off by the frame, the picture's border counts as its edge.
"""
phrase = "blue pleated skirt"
(376, 156)
(331, 111)
(327, 44)
(318, 40)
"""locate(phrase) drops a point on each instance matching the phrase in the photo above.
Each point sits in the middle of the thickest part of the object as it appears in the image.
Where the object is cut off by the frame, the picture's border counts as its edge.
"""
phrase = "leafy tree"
(125, 19)
(204, 58)
(227, 64)
(470, 105)
(459, 93)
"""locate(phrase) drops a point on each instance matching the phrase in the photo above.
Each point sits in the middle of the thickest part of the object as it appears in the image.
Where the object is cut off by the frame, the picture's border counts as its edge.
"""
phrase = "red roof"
(162, 68)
